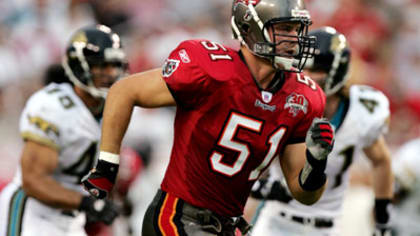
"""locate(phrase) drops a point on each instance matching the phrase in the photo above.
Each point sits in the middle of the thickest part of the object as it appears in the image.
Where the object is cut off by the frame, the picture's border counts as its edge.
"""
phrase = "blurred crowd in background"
(384, 36)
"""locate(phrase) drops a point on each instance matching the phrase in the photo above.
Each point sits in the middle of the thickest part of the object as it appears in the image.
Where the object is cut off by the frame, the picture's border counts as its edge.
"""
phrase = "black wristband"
(316, 164)
(316, 177)
(314, 181)
(108, 169)
(382, 211)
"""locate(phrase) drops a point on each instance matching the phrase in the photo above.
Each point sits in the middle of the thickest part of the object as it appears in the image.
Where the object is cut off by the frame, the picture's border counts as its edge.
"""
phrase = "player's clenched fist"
(320, 138)
(319, 143)
(96, 210)
(101, 179)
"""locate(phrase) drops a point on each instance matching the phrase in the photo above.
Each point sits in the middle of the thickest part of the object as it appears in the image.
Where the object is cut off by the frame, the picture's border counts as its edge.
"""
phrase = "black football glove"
(382, 230)
(101, 179)
(270, 190)
(96, 210)
(382, 217)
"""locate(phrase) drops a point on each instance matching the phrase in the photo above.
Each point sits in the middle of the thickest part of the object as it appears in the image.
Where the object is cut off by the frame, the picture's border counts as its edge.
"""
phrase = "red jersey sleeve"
(316, 104)
(186, 80)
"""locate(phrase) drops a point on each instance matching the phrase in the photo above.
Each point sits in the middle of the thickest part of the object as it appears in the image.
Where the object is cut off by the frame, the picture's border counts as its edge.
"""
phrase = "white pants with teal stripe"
(24, 216)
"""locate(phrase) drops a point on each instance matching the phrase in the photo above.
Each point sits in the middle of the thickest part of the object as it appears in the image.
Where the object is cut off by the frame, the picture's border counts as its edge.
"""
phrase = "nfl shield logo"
(266, 96)
(169, 67)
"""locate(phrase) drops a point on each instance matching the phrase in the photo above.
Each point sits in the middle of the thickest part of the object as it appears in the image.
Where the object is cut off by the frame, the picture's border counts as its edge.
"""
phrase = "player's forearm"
(304, 196)
(118, 108)
(383, 187)
(50, 192)
(383, 179)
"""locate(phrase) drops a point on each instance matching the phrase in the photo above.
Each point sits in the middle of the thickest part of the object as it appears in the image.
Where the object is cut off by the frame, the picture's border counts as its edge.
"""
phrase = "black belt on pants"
(215, 223)
(316, 222)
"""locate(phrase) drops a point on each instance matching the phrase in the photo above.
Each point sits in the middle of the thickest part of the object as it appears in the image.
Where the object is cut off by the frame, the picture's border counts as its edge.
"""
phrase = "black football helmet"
(332, 55)
(88, 47)
(251, 20)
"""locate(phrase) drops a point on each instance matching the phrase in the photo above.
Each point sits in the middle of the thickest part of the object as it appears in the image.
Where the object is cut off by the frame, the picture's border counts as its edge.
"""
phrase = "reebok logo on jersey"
(295, 103)
(265, 107)
(169, 67)
(184, 56)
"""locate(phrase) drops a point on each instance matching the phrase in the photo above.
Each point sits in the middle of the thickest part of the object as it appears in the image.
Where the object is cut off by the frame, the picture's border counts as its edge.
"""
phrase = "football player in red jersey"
(236, 112)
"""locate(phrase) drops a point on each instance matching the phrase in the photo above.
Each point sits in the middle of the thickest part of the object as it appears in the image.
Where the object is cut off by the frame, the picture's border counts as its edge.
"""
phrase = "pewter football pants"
(171, 216)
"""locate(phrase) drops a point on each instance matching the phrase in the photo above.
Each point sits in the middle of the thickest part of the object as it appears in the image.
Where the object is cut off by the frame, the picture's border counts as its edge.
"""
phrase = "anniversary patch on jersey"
(295, 103)
(169, 67)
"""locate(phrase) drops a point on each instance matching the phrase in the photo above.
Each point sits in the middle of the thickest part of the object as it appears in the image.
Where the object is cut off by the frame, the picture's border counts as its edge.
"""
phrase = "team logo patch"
(79, 38)
(295, 103)
(338, 43)
(184, 56)
(266, 96)
(169, 67)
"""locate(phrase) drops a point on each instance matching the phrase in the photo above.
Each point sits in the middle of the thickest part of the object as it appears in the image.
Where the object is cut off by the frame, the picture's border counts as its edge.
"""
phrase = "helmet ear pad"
(245, 27)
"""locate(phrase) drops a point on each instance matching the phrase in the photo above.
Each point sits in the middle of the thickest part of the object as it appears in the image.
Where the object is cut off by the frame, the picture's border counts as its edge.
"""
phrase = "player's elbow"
(121, 93)
(308, 197)
(308, 200)
(117, 89)
(384, 162)
(30, 184)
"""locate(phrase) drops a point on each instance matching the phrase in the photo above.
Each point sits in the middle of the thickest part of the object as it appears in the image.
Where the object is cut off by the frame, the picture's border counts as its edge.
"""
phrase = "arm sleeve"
(184, 76)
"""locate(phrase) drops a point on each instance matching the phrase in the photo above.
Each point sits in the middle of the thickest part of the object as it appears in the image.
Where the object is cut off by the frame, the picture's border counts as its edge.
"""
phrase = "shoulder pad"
(212, 57)
(371, 107)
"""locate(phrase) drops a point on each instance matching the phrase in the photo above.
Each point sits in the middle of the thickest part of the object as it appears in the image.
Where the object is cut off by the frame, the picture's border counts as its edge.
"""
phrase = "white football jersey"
(364, 122)
(55, 116)
(406, 167)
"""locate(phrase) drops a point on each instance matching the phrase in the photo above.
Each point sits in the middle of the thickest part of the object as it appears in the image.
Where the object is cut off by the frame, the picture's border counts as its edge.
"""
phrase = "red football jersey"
(227, 129)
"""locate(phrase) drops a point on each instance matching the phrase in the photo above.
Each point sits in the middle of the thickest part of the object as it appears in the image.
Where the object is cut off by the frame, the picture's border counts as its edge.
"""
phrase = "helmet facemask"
(295, 57)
